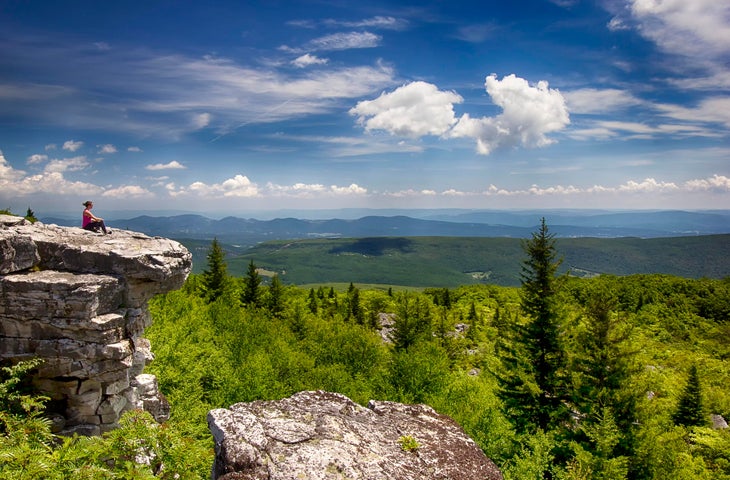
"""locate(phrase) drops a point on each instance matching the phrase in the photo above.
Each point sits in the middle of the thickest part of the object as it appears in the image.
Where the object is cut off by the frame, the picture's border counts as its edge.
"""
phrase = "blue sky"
(230, 106)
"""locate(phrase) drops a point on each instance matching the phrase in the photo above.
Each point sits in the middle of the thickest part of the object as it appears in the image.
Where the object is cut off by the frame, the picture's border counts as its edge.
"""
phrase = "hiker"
(92, 222)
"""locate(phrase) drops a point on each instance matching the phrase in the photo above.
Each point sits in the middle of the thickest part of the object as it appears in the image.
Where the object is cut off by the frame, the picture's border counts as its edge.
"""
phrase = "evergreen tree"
(251, 286)
(30, 216)
(312, 301)
(412, 320)
(275, 302)
(533, 382)
(215, 277)
(355, 310)
(690, 410)
(603, 364)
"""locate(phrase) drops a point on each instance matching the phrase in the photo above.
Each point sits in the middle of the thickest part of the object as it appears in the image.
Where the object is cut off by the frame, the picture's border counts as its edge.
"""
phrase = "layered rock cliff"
(323, 435)
(78, 300)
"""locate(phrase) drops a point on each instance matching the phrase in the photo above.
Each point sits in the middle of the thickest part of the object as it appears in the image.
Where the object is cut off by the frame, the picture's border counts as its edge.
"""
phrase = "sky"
(226, 107)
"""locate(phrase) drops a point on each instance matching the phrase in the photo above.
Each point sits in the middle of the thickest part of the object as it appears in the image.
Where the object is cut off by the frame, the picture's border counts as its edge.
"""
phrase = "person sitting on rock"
(92, 222)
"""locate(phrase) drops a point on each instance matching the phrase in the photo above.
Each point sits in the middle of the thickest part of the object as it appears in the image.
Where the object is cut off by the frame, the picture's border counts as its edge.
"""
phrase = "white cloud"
(106, 149)
(413, 110)
(345, 41)
(14, 183)
(528, 114)
(715, 109)
(307, 60)
(238, 186)
(314, 190)
(50, 146)
(593, 100)
(134, 149)
(697, 27)
(72, 146)
(352, 189)
(127, 192)
(386, 23)
(173, 165)
(716, 183)
(616, 24)
(66, 164)
(36, 158)
(201, 120)
(7, 173)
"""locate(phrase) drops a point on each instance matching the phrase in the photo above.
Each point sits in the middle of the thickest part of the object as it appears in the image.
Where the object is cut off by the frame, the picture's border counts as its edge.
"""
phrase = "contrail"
(257, 117)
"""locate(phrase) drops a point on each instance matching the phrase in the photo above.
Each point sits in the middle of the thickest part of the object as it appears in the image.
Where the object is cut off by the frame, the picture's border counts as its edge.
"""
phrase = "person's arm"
(92, 216)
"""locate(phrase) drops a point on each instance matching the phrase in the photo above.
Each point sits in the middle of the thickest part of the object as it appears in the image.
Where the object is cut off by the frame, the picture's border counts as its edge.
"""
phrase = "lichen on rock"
(322, 435)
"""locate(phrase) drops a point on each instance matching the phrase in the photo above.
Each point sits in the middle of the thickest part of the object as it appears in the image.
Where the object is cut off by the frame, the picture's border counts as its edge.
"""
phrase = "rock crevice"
(78, 300)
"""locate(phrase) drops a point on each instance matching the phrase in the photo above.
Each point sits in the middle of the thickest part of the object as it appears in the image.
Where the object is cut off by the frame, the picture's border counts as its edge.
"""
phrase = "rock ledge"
(78, 300)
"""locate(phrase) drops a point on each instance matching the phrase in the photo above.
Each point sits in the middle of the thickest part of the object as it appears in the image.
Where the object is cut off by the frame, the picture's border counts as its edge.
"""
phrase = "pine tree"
(215, 277)
(251, 283)
(533, 382)
(690, 410)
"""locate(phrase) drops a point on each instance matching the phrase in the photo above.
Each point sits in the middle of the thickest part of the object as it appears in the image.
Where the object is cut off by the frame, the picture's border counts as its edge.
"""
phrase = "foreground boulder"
(78, 300)
(321, 435)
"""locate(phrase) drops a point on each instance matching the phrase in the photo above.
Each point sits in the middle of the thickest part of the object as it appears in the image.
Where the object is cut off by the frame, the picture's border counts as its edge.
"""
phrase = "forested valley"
(561, 378)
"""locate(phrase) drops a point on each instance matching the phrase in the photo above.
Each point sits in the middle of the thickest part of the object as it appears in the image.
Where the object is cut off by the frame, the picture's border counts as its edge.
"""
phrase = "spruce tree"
(690, 410)
(251, 284)
(215, 277)
(274, 300)
(533, 382)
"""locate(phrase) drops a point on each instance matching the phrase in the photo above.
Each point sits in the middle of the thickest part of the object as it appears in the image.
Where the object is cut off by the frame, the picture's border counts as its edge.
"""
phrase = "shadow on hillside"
(375, 246)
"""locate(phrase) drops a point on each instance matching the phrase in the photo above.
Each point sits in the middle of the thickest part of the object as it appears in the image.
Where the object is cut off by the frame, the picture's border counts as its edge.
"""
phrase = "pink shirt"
(86, 219)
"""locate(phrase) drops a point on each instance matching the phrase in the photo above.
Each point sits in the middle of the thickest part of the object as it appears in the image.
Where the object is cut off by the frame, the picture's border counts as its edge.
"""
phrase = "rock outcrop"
(78, 300)
(321, 435)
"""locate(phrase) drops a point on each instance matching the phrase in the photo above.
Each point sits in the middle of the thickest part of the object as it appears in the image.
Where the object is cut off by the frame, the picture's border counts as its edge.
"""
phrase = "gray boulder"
(322, 435)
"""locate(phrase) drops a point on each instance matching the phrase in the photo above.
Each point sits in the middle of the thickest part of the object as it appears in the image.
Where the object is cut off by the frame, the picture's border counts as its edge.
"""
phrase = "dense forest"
(562, 377)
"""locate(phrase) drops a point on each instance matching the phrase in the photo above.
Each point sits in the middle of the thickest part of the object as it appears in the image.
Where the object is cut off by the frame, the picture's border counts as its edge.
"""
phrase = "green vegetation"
(563, 377)
(454, 261)
(408, 443)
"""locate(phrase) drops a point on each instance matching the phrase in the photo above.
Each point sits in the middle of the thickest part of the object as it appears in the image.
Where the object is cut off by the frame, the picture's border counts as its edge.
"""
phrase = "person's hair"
(87, 203)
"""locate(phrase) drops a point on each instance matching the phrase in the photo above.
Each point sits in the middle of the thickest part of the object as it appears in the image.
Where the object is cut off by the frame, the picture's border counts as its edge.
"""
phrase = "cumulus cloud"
(529, 113)
(238, 186)
(173, 165)
(15, 183)
(67, 164)
(314, 190)
(134, 149)
(106, 149)
(72, 146)
(128, 192)
(36, 158)
(307, 60)
(412, 110)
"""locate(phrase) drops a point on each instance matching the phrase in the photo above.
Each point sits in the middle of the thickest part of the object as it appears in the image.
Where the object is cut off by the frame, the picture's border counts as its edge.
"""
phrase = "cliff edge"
(78, 300)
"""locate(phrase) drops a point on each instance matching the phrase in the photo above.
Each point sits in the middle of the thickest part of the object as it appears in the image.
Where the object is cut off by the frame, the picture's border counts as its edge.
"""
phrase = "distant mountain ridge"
(459, 223)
